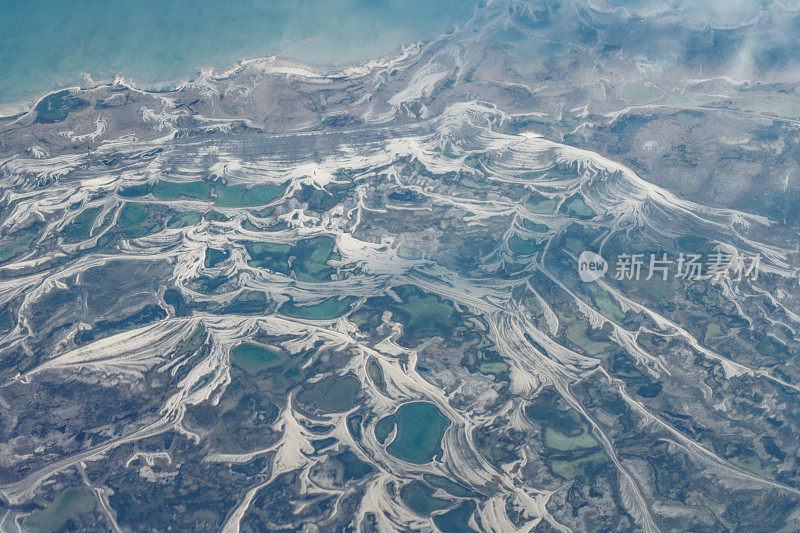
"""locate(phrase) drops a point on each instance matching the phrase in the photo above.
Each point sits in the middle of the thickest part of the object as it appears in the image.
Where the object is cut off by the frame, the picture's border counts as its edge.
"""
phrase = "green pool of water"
(328, 309)
(253, 358)
(68, 504)
(420, 428)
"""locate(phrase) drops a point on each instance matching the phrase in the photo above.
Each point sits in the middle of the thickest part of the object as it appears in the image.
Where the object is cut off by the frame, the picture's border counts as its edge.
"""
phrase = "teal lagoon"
(45, 45)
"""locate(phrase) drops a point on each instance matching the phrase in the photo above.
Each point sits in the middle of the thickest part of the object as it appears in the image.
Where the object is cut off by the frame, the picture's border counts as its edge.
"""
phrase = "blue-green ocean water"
(49, 44)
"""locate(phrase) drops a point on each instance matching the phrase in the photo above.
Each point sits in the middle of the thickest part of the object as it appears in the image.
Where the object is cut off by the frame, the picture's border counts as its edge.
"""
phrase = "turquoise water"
(46, 45)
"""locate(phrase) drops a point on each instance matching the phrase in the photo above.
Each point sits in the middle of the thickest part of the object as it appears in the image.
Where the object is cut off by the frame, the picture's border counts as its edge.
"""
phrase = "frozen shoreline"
(270, 65)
